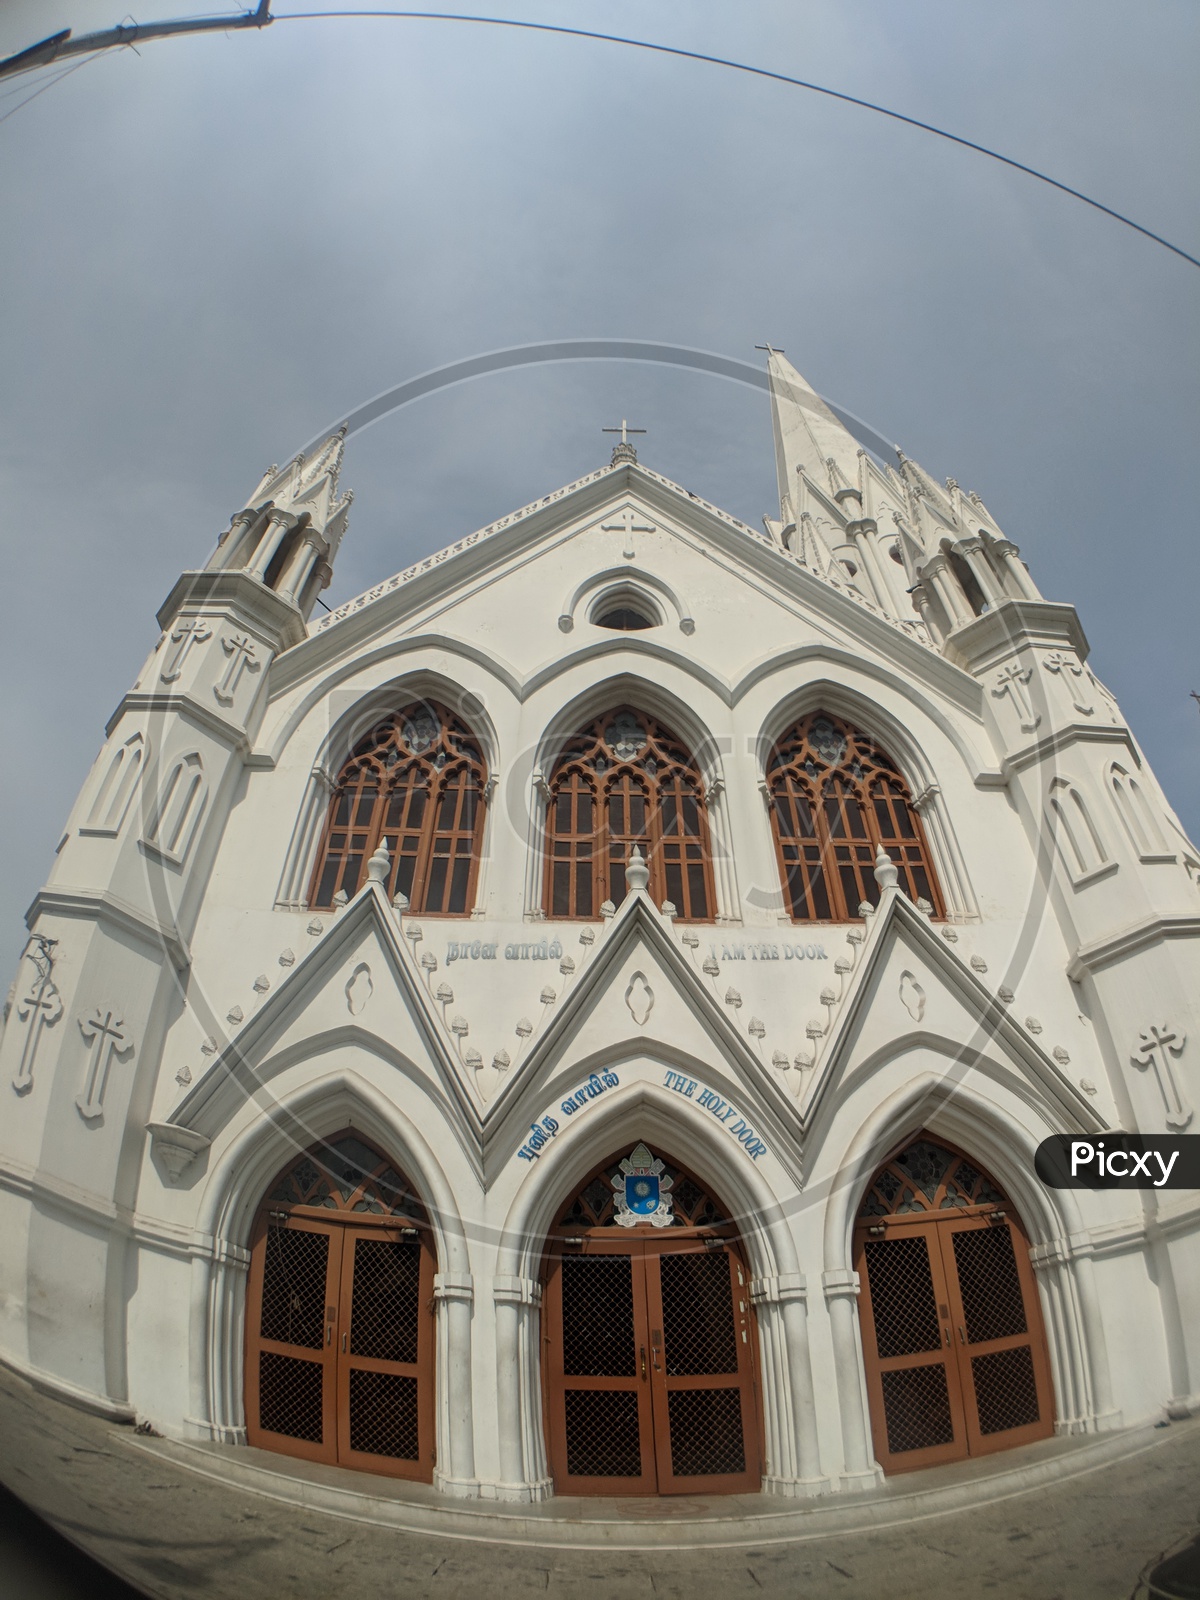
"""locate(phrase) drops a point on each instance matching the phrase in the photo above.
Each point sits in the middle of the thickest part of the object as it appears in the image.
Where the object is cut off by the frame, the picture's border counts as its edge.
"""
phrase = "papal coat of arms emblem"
(643, 1190)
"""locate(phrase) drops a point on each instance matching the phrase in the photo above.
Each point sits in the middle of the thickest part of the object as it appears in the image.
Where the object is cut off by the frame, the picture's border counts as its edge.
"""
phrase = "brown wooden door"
(702, 1369)
(650, 1364)
(339, 1344)
(955, 1355)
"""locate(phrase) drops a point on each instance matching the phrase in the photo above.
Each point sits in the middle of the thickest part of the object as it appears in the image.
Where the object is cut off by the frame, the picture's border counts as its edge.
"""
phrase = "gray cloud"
(212, 248)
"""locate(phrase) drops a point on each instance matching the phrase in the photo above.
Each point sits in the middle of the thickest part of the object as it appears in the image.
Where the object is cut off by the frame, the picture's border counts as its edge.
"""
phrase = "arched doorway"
(339, 1325)
(953, 1340)
(650, 1356)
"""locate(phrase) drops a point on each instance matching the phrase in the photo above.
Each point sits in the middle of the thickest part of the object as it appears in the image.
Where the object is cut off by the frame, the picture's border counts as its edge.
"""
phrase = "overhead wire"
(41, 89)
(393, 14)
(758, 72)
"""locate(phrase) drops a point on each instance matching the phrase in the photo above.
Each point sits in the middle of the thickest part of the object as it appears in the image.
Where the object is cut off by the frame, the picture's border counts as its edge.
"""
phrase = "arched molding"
(1081, 844)
(177, 810)
(334, 750)
(624, 579)
(1062, 1250)
(1137, 814)
(110, 804)
(860, 667)
(349, 674)
(236, 1184)
(653, 1113)
(687, 724)
(897, 738)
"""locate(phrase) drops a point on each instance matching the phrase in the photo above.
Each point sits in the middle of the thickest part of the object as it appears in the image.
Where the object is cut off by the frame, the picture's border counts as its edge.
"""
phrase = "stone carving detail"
(239, 647)
(1073, 677)
(912, 996)
(359, 989)
(41, 1008)
(1156, 1047)
(182, 639)
(639, 997)
(112, 799)
(235, 1014)
(107, 1037)
(1014, 682)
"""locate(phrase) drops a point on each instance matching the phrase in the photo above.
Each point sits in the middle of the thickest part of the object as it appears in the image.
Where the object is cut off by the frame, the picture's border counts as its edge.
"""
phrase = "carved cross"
(1155, 1048)
(629, 525)
(106, 1037)
(1012, 680)
(1071, 672)
(183, 638)
(41, 1008)
(240, 650)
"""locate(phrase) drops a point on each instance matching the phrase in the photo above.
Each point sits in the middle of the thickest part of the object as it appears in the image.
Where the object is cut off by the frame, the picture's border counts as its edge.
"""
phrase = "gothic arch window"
(178, 809)
(835, 798)
(625, 609)
(1136, 812)
(418, 781)
(1078, 839)
(622, 781)
(111, 804)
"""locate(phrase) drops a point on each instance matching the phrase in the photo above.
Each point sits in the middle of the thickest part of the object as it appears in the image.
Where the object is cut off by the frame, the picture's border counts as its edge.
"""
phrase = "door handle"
(643, 1355)
(343, 1344)
(947, 1338)
(961, 1336)
(329, 1333)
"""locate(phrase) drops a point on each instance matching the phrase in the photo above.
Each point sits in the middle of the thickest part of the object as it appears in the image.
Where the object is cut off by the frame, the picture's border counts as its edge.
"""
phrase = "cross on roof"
(623, 430)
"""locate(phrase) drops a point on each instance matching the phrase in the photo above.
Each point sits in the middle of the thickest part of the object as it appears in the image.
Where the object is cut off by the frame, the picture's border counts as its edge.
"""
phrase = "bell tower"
(107, 965)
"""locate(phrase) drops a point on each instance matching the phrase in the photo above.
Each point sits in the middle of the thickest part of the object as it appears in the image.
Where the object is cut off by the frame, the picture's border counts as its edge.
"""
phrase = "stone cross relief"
(106, 1037)
(41, 1008)
(629, 525)
(1013, 681)
(240, 650)
(182, 639)
(1155, 1048)
(1070, 671)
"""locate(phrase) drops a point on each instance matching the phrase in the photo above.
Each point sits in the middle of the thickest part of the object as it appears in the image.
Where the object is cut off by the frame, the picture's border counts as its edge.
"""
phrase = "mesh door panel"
(386, 1304)
(991, 1289)
(706, 1432)
(902, 1297)
(602, 1433)
(916, 1408)
(289, 1396)
(293, 1295)
(698, 1327)
(597, 1317)
(383, 1414)
(1005, 1389)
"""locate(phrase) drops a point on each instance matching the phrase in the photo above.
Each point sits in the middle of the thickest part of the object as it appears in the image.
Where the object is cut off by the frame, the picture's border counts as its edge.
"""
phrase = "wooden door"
(702, 1369)
(385, 1353)
(955, 1353)
(997, 1333)
(650, 1368)
(339, 1344)
(291, 1345)
(601, 1430)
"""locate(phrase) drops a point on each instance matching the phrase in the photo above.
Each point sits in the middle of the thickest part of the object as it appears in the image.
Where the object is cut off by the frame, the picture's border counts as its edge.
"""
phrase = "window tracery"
(626, 780)
(835, 798)
(417, 780)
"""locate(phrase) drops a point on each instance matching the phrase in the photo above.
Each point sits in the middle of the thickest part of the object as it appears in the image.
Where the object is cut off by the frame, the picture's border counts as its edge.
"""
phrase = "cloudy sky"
(213, 248)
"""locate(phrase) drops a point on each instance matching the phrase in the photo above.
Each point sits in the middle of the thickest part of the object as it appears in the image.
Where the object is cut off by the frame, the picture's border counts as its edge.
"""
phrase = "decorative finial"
(637, 873)
(623, 451)
(380, 864)
(886, 873)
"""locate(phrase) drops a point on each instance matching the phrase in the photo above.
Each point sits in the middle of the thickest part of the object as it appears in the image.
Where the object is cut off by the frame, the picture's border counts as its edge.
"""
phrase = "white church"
(578, 1018)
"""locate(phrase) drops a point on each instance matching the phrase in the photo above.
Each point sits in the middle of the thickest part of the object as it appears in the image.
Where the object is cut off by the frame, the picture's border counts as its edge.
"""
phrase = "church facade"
(578, 1018)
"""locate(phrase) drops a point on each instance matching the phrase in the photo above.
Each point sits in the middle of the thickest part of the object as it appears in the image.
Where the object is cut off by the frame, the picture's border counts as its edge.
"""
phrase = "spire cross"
(771, 349)
(623, 430)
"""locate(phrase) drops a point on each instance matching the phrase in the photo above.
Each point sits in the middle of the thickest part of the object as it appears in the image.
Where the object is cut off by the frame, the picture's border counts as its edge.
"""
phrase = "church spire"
(808, 438)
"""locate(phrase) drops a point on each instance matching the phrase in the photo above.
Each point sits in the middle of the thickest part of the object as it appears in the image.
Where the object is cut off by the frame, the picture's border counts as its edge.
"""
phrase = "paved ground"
(178, 1536)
